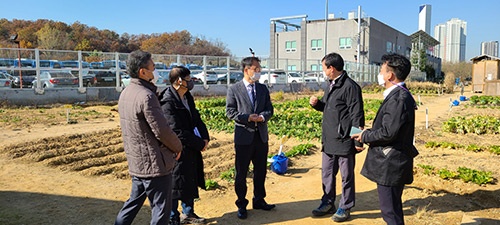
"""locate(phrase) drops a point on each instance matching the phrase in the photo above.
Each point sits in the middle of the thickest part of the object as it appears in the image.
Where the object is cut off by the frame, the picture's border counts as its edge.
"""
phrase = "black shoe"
(175, 221)
(242, 213)
(262, 205)
(324, 209)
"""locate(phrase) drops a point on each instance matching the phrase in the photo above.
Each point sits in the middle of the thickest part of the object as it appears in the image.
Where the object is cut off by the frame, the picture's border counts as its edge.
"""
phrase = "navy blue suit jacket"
(239, 107)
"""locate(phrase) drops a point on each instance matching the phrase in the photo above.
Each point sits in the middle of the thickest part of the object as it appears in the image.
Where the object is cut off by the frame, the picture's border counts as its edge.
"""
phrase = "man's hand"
(178, 156)
(254, 118)
(357, 137)
(313, 100)
(206, 145)
(360, 149)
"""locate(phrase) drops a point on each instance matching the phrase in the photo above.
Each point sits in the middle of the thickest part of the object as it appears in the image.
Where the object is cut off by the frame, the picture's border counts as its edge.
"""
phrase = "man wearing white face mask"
(342, 107)
(389, 161)
(180, 110)
(156, 77)
(248, 104)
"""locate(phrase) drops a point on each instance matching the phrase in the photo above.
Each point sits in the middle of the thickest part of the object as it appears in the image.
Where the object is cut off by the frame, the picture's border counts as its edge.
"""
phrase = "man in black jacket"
(179, 108)
(389, 161)
(342, 107)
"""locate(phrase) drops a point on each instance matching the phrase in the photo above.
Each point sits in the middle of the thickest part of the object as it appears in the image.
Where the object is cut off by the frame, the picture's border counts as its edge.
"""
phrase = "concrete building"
(424, 18)
(452, 38)
(359, 40)
(489, 48)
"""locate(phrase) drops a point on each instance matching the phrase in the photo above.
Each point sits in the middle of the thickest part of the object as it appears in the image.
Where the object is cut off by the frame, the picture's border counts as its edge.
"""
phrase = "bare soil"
(55, 172)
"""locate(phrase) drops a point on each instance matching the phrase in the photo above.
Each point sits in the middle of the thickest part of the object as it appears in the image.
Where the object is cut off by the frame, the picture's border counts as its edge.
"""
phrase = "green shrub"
(446, 174)
(229, 175)
(211, 184)
(428, 169)
(302, 149)
(474, 176)
(495, 149)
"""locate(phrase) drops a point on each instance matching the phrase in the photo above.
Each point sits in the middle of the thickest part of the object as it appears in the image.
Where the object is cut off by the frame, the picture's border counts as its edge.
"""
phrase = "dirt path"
(43, 195)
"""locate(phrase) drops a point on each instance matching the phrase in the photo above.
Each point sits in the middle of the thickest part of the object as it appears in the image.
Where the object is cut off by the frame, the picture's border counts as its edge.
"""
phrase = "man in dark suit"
(342, 107)
(248, 103)
(389, 161)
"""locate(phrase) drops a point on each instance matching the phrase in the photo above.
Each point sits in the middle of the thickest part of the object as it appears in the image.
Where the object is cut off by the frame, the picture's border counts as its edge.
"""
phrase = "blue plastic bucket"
(463, 98)
(279, 164)
(455, 103)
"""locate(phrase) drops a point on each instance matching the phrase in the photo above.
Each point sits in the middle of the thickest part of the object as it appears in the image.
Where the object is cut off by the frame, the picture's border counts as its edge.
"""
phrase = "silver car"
(53, 79)
(5, 80)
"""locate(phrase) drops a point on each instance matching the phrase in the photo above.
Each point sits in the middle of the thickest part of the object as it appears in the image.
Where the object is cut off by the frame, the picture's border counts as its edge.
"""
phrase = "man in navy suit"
(389, 161)
(248, 103)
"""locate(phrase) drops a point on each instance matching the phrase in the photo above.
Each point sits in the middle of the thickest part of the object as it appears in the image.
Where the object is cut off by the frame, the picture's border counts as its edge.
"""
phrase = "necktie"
(253, 94)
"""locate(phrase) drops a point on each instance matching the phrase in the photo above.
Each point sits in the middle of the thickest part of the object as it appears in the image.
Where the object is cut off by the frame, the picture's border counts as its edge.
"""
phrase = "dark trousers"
(330, 165)
(390, 204)
(256, 153)
(159, 192)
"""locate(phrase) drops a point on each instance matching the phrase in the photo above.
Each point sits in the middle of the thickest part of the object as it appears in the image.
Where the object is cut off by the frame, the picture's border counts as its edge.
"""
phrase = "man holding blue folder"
(342, 107)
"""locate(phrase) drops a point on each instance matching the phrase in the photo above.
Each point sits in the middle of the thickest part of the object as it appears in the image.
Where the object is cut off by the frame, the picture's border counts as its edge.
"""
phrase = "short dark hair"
(248, 62)
(136, 60)
(335, 60)
(399, 64)
(178, 71)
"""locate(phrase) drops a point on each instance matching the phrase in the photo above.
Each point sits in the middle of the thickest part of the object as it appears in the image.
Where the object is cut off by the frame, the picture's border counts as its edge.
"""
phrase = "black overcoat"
(188, 173)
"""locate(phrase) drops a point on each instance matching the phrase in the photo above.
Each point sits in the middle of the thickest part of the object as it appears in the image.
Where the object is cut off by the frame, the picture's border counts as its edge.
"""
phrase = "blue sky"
(244, 24)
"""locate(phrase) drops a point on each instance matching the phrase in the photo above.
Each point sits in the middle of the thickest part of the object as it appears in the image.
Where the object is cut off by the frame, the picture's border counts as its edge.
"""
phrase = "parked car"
(28, 77)
(5, 80)
(294, 77)
(313, 76)
(88, 76)
(273, 76)
(211, 77)
(106, 78)
(233, 77)
(56, 78)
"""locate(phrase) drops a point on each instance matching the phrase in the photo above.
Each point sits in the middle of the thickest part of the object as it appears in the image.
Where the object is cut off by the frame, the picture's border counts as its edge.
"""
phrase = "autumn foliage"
(53, 35)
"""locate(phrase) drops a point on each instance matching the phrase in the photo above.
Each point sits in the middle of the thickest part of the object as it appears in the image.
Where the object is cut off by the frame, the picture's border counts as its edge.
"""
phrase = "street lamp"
(13, 38)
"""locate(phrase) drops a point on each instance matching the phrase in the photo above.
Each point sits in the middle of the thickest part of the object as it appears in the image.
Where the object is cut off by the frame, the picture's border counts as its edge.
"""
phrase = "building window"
(314, 67)
(292, 67)
(345, 43)
(389, 47)
(290, 46)
(316, 44)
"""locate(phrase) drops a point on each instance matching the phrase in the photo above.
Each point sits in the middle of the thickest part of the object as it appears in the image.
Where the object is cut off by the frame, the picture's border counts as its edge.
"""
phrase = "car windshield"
(294, 75)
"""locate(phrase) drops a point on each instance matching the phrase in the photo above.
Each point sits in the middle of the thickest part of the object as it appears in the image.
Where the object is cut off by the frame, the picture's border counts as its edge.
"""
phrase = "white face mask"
(255, 77)
(380, 79)
(324, 75)
(156, 76)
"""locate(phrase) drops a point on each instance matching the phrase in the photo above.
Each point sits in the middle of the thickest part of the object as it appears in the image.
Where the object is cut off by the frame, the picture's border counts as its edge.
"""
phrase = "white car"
(272, 76)
(295, 77)
(314, 76)
(211, 77)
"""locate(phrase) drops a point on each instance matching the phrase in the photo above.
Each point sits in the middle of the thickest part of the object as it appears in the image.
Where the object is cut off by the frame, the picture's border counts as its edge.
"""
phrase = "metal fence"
(28, 68)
